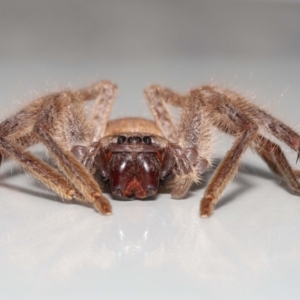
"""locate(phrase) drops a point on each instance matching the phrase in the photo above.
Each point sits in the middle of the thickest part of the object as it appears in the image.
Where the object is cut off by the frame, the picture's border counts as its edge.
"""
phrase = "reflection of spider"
(136, 155)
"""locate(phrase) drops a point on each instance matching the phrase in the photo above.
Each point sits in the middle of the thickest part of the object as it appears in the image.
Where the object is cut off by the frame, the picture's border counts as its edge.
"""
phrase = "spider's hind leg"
(272, 154)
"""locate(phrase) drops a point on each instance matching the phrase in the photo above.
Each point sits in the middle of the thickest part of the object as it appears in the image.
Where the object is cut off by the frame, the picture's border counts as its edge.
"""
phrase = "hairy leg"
(157, 97)
(272, 154)
(104, 101)
(62, 114)
(227, 110)
(49, 119)
(16, 135)
(193, 128)
(232, 119)
(226, 171)
(42, 171)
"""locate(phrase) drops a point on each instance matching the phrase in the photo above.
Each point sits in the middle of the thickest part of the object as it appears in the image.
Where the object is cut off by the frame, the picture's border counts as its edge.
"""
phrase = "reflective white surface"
(161, 249)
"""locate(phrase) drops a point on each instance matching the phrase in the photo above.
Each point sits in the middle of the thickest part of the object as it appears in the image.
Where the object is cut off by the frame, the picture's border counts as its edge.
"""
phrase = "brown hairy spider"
(135, 156)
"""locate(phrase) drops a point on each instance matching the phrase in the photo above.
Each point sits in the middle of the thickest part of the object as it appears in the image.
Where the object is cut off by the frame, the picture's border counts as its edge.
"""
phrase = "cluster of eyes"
(134, 139)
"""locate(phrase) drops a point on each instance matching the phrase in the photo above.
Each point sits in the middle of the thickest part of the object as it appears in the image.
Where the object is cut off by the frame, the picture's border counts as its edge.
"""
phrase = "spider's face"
(134, 167)
(134, 175)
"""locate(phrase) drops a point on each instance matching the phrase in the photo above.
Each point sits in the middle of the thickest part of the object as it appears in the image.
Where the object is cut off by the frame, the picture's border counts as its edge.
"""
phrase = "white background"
(161, 249)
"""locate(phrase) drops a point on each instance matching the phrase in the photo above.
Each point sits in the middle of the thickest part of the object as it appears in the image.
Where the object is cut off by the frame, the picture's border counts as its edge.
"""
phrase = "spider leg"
(280, 130)
(42, 171)
(229, 116)
(157, 97)
(233, 114)
(54, 119)
(105, 93)
(226, 170)
(272, 154)
(16, 135)
(19, 126)
(62, 115)
(193, 129)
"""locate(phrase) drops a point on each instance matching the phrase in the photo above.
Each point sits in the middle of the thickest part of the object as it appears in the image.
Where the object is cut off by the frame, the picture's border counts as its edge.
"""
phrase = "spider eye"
(147, 140)
(121, 139)
(138, 139)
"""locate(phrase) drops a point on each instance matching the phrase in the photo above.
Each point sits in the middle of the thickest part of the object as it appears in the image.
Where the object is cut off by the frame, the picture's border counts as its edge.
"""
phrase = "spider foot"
(70, 194)
(207, 206)
(181, 186)
(102, 205)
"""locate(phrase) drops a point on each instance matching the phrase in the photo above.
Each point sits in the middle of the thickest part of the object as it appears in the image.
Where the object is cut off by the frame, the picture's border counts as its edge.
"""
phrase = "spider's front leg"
(202, 109)
(229, 115)
(235, 115)
(16, 135)
(190, 141)
(65, 114)
(58, 121)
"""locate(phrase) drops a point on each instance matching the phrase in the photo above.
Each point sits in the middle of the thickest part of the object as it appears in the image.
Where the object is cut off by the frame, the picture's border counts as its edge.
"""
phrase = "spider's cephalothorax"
(136, 155)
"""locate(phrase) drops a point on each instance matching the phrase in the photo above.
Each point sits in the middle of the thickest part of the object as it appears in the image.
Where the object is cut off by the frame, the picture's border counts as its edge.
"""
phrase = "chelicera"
(135, 156)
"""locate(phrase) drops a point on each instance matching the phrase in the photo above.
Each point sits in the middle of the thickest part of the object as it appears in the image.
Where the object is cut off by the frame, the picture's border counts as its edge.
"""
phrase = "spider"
(135, 156)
